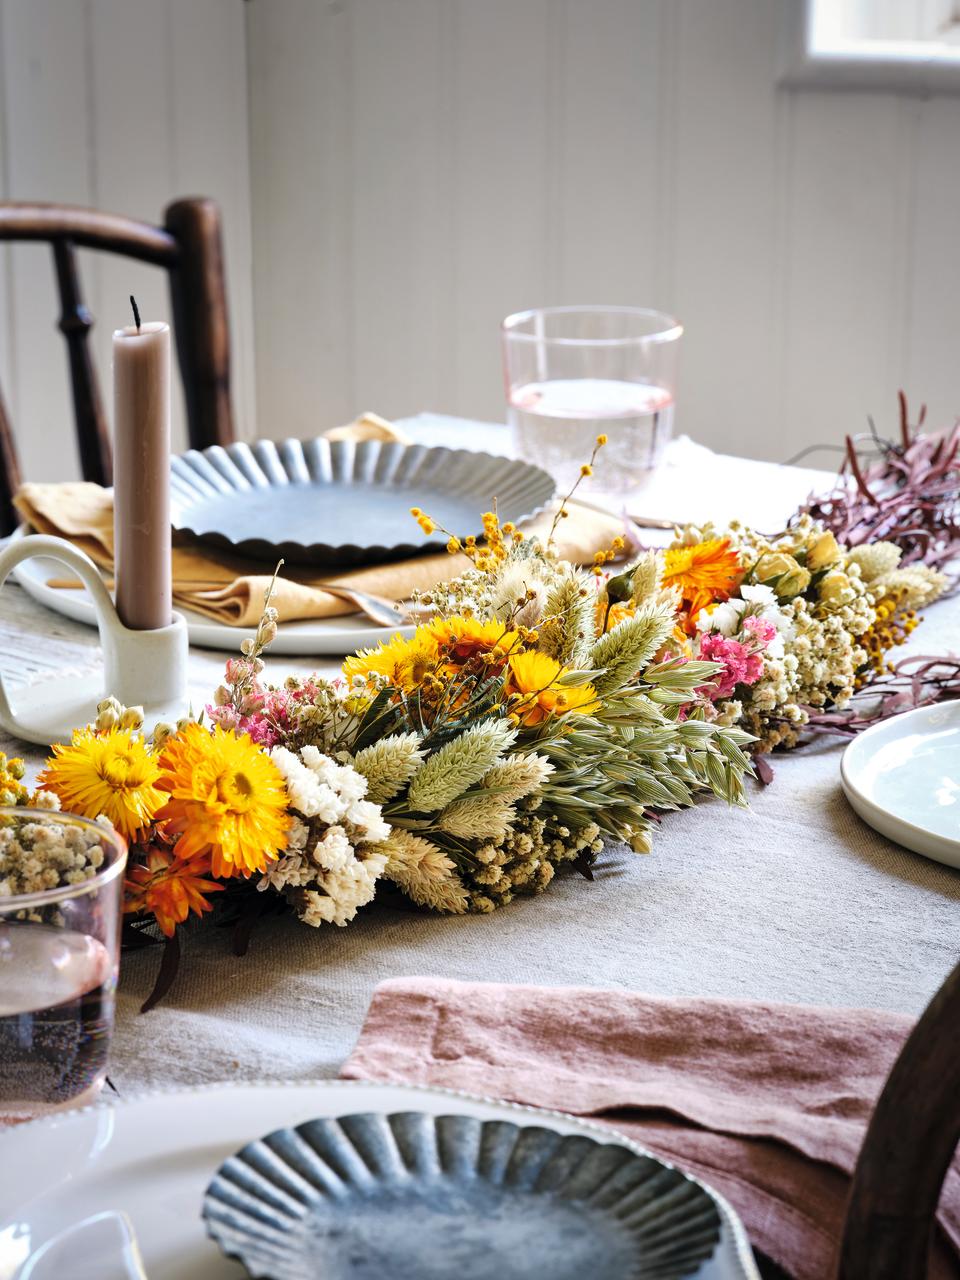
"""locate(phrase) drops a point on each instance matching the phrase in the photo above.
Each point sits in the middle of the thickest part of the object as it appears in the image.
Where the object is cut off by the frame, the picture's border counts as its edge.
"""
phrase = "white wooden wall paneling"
(422, 168)
(727, 138)
(418, 168)
(612, 100)
(133, 157)
(46, 111)
(210, 135)
(931, 313)
(847, 236)
(400, 180)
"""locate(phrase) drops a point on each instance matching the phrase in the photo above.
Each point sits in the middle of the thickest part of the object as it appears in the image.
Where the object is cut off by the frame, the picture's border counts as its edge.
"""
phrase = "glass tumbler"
(59, 954)
(573, 373)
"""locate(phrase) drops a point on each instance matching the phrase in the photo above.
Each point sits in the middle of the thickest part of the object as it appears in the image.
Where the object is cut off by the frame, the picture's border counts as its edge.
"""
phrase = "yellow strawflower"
(402, 663)
(113, 773)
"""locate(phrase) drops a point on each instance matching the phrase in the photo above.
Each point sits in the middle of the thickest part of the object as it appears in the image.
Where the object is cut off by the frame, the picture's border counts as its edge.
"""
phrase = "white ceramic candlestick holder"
(140, 668)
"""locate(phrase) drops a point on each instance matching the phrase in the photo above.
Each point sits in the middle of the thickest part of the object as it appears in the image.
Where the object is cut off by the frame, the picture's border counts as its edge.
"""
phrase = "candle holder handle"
(140, 668)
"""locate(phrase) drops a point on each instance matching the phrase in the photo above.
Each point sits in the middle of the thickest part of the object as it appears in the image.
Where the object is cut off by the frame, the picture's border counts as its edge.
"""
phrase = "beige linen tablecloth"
(794, 899)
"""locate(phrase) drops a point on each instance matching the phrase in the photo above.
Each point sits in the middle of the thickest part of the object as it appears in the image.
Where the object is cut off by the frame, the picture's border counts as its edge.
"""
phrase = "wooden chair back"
(189, 247)
(907, 1151)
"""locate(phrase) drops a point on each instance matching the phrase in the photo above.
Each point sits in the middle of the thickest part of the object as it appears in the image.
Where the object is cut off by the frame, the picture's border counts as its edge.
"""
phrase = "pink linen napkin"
(766, 1102)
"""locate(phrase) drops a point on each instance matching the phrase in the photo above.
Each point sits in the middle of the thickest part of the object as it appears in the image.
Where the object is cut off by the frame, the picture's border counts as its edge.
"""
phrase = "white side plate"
(151, 1159)
(319, 636)
(903, 777)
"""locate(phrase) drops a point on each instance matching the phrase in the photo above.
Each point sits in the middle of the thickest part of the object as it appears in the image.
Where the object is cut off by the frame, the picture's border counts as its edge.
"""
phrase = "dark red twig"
(910, 495)
(917, 681)
(169, 964)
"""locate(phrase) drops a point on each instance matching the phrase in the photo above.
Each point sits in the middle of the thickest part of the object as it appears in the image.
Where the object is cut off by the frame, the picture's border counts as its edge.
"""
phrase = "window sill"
(847, 70)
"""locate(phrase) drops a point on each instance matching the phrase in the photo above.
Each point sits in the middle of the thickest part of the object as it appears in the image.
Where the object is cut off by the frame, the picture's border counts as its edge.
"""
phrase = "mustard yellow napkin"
(230, 588)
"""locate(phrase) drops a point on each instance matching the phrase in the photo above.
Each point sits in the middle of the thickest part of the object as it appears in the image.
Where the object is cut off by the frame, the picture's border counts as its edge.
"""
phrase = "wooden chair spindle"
(75, 325)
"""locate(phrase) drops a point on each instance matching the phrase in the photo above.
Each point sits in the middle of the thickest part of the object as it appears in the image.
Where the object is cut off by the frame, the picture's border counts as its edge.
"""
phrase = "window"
(911, 45)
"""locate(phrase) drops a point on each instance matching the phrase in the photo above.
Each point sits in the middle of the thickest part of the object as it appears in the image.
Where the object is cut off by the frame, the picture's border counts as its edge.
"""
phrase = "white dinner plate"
(151, 1158)
(302, 639)
(903, 777)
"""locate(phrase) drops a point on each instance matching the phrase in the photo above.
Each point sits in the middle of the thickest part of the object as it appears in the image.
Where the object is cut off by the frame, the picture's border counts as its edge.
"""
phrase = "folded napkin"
(230, 588)
(766, 1102)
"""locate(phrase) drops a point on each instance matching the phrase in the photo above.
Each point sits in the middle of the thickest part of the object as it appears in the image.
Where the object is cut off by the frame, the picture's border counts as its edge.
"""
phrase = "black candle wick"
(136, 312)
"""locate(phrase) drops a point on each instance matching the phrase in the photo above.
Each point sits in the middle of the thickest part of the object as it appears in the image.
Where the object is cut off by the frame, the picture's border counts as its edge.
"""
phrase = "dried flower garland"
(537, 711)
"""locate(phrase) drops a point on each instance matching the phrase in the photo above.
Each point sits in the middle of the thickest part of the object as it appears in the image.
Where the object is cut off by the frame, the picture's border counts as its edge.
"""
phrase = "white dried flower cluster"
(321, 788)
(755, 600)
(333, 861)
(470, 595)
(818, 668)
(37, 856)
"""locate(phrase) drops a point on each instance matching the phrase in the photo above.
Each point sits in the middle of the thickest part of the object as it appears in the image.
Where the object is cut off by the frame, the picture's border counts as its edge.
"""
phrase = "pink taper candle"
(141, 475)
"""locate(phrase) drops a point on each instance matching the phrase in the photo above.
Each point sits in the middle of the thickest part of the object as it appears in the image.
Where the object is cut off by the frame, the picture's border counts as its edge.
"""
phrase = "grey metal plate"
(343, 503)
(414, 1196)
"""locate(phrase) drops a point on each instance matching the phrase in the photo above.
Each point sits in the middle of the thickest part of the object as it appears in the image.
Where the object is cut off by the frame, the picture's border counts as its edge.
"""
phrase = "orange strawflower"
(704, 572)
(169, 888)
(227, 800)
(533, 690)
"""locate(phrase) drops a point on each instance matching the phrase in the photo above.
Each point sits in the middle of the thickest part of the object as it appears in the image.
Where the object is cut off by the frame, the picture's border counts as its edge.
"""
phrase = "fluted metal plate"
(343, 503)
(421, 1197)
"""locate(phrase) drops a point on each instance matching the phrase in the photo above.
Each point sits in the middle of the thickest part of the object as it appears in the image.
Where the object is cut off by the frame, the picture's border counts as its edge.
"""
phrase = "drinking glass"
(59, 953)
(573, 373)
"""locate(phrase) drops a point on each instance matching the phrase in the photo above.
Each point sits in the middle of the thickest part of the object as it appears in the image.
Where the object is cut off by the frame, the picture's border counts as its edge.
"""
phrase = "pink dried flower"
(739, 665)
(762, 629)
(226, 717)
(237, 669)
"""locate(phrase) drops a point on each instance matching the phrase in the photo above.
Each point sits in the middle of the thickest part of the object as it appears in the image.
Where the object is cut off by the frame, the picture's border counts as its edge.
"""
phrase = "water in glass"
(557, 422)
(56, 1016)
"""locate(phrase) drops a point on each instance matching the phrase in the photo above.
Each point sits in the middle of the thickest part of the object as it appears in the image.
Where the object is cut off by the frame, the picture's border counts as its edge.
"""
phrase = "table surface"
(795, 899)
